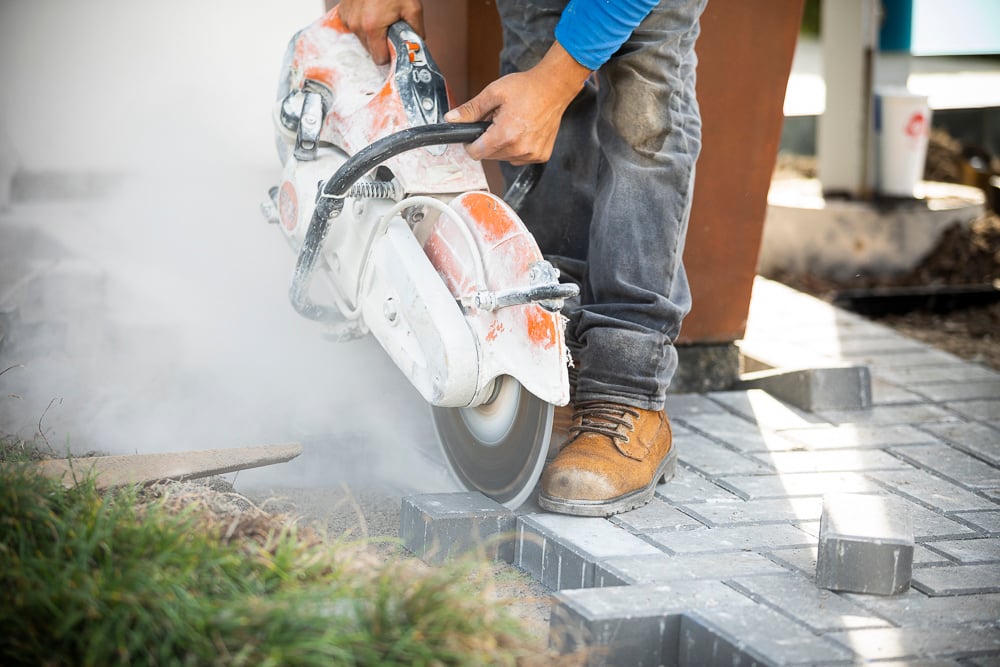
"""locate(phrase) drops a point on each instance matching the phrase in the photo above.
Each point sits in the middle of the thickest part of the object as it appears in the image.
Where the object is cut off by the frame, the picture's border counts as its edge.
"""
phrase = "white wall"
(116, 85)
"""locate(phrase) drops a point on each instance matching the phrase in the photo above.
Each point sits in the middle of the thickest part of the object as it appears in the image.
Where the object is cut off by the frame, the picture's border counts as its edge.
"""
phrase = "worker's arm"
(370, 21)
(525, 109)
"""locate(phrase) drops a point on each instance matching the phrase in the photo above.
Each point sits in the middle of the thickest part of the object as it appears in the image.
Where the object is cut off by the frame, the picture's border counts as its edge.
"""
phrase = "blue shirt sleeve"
(592, 30)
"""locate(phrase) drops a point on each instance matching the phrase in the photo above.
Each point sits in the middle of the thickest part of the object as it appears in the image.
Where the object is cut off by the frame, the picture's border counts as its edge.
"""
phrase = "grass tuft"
(149, 577)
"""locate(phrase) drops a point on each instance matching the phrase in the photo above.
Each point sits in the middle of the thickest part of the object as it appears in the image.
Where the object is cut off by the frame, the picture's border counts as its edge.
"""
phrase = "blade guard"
(526, 341)
(365, 102)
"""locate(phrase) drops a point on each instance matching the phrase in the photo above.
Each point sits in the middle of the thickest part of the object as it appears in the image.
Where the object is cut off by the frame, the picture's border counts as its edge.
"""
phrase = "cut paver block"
(561, 551)
(834, 388)
(440, 526)
(865, 545)
(111, 471)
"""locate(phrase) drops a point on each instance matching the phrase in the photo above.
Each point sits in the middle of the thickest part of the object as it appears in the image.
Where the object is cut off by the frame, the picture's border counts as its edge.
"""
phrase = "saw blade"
(498, 448)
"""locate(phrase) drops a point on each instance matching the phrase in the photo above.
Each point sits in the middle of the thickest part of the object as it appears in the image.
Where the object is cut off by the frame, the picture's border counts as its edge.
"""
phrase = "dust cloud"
(156, 318)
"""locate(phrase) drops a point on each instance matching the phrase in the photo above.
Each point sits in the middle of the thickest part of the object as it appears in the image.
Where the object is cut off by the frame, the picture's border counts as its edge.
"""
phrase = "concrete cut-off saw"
(398, 235)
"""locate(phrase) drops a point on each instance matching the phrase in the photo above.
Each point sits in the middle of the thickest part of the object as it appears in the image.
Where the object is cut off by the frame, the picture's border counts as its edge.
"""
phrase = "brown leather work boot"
(613, 462)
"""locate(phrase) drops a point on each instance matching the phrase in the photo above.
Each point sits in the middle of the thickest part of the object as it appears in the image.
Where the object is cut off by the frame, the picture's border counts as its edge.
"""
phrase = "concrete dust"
(158, 320)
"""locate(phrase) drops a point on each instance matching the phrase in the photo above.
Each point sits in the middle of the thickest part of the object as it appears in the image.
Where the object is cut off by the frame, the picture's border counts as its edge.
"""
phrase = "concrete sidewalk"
(720, 567)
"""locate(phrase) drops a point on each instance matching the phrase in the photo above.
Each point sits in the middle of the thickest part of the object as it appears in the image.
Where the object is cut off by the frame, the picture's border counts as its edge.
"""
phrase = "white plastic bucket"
(902, 128)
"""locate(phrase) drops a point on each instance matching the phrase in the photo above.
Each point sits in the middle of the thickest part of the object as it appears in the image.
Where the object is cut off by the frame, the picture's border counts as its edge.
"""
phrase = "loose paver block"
(440, 526)
(812, 389)
(111, 471)
(764, 410)
(865, 545)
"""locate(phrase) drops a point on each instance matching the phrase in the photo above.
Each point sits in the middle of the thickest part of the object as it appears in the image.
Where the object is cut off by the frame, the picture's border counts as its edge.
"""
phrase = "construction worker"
(604, 93)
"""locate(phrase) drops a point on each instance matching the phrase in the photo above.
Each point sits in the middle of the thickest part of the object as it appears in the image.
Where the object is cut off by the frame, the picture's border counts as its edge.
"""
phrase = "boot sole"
(604, 508)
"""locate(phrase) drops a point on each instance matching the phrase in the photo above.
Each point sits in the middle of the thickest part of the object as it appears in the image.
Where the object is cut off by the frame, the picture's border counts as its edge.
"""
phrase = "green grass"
(92, 579)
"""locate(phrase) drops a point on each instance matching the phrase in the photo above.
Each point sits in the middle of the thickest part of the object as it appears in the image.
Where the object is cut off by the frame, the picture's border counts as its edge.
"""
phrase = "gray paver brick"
(958, 579)
(764, 410)
(927, 524)
(689, 405)
(988, 521)
(688, 487)
(804, 559)
(796, 596)
(887, 393)
(909, 358)
(440, 526)
(661, 568)
(634, 625)
(914, 608)
(960, 372)
(950, 463)
(713, 460)
(865, 545)
(834, 460)
(560, 551)
(976, 550)
(731, 539)
(784, 510)
(979, 409)
(983, 661)
(960, 391)
(853, 436)
(739, 434)
(979, 439)
(940, 494)
(811, 389)
(791, 485)
(657, 515)
(886, 643)
(731, 636)
(891, 414)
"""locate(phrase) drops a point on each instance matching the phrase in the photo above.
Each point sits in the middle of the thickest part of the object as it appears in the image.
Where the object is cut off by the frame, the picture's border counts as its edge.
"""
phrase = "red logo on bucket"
(917, 125)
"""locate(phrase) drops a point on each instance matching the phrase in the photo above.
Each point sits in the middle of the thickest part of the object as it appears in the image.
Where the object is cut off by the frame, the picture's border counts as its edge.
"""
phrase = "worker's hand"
(370, 21)
(525, 108)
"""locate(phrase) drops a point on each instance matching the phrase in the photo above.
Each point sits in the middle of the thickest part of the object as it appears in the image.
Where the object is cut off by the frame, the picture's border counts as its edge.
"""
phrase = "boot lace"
(604, 418)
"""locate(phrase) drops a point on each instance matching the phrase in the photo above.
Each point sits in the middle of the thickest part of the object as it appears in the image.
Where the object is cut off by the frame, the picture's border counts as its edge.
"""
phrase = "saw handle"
(332, 194)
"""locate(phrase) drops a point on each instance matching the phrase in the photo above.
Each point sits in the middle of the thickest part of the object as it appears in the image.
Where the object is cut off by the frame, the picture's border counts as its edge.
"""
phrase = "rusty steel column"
(744, 58)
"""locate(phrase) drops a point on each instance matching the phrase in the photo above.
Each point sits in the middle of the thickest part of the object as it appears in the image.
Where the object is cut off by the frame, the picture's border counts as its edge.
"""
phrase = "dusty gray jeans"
(611, 210)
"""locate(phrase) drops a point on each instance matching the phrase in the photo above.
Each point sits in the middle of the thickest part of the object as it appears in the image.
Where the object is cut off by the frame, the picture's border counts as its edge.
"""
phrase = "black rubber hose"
(373, 155)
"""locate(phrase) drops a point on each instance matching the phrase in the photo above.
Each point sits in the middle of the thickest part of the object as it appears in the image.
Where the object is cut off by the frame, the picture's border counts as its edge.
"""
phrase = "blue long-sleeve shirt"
(592, 30)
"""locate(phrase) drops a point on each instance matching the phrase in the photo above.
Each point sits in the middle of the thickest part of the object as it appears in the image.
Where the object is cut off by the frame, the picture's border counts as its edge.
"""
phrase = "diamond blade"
(498, 448)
